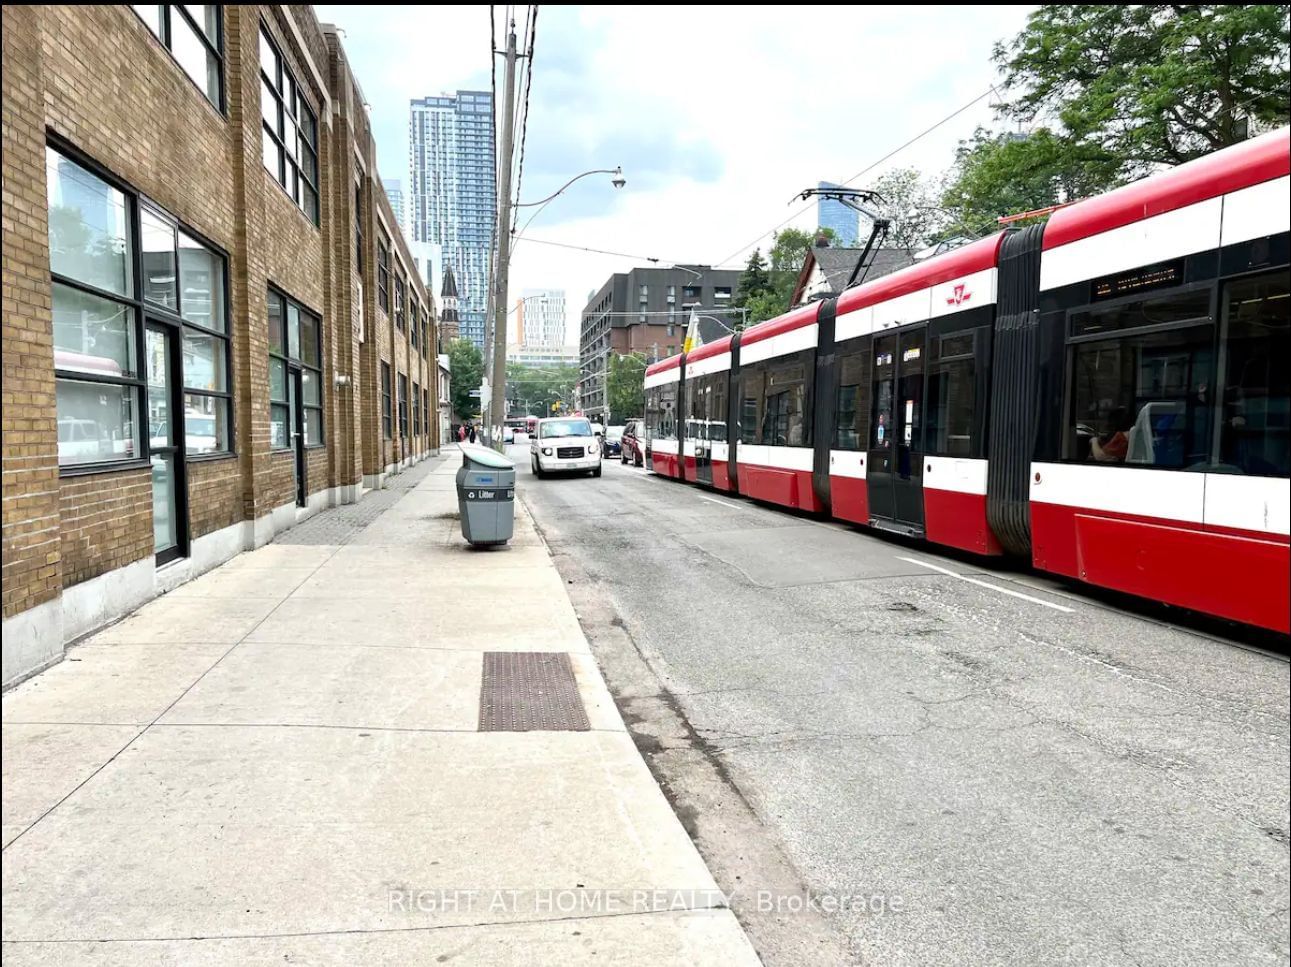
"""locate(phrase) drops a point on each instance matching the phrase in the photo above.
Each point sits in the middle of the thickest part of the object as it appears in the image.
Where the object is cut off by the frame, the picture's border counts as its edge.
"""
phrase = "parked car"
(631, 446)
(564, 443)
(611, 442)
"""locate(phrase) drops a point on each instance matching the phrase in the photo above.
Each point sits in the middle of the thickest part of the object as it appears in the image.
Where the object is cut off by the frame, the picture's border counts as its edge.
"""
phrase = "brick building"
(646, 311)
(212, 325)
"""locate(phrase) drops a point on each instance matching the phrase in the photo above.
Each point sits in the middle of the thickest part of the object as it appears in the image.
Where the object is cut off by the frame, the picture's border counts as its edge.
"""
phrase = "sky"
(719, 116)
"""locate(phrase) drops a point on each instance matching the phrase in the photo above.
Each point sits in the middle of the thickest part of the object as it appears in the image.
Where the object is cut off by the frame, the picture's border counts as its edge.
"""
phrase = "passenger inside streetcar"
(1113, 446)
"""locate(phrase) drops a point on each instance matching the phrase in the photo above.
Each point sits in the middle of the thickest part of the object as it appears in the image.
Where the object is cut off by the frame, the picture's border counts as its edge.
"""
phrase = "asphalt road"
(1001, 772)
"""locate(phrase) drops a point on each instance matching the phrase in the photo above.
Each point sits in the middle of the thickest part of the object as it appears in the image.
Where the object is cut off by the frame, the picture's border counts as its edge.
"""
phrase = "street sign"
(475, 393)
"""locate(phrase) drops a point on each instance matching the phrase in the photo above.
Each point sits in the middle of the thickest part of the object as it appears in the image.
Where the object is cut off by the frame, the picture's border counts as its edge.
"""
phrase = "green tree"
(1151, 84)
(754, 281)
(912, 203)
(466, 370)
(536, 387)
(788, 250)
(766, 305)
(625, 387)
(1008, 174)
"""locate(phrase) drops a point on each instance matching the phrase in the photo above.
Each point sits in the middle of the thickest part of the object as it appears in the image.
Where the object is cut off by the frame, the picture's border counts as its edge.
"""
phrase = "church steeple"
(449, 324)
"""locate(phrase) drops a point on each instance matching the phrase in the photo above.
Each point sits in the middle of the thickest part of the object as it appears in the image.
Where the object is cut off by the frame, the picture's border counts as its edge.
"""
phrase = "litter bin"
(486, 490)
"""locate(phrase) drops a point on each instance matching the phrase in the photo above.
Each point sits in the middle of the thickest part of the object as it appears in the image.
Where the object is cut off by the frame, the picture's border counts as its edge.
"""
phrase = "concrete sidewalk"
(282, 761)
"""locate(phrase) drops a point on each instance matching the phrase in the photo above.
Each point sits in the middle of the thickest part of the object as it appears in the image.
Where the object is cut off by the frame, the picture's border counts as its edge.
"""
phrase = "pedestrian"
(461, 433)
(473, 434)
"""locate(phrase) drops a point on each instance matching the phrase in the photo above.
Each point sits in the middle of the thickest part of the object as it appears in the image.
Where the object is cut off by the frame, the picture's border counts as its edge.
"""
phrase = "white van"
(564, 443)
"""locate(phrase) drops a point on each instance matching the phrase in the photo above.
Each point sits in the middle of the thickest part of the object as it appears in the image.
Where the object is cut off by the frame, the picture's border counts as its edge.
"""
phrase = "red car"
(631, 446)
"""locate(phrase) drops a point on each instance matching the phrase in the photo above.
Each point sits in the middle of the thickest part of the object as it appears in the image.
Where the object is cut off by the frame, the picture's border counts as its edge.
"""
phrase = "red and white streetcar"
(1107, 394)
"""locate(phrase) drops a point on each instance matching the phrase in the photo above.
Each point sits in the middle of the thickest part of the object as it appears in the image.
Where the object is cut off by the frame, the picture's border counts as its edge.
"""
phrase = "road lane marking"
(714, 500)
(989, 587)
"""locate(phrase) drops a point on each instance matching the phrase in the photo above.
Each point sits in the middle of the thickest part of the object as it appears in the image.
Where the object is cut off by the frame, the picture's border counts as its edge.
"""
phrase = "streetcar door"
(703, 390)
(895, 477)
(907, 478)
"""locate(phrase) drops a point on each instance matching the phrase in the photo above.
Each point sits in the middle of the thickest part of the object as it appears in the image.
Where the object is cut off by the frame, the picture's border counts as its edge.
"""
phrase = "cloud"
(717, 119)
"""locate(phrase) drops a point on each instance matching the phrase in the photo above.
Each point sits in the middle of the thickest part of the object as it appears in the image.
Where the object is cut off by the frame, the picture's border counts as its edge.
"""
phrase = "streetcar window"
(852, 409)
(1255, 415)
(1175, 307)
(716, 397)
(750, 402)
(661, 403)
(1143, 399)
(784, 416)
(667, 412)
(695, 396)
(884, 428)
(952, 386)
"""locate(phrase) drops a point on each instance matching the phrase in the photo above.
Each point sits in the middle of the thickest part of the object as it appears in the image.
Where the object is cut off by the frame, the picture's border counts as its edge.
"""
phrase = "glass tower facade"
(835, 215)
(452, 193)
(394, 194)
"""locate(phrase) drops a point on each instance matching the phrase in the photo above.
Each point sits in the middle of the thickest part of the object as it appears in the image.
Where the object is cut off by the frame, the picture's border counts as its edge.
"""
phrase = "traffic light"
(555, 407)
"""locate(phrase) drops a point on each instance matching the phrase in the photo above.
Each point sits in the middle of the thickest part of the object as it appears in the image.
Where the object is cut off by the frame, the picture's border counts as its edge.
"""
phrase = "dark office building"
(647, 311)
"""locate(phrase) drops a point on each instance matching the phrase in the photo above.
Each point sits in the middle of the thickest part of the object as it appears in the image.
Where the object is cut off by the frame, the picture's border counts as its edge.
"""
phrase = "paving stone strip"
(340, 525)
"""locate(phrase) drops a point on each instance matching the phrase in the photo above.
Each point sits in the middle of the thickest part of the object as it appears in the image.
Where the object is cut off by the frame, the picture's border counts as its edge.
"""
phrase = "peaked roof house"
(825, 270)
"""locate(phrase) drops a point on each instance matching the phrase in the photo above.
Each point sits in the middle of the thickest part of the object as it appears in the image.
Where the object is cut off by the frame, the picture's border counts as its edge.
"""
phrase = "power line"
(602, 251)
(493, 128)
(515, 126)
(532, 29)
(867, 168)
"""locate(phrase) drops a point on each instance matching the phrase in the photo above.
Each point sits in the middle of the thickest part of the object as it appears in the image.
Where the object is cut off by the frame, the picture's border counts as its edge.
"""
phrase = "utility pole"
(498, 411)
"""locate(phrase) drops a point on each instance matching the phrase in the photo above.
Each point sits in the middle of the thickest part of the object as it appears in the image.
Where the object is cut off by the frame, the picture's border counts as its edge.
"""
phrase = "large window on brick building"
(290, 130)
(414, 317)
(416, 409)
(383, 274)
(358, 227)
(194, 35)
(387, 422)
(101, 240)
(400, 320)
(425, 410)
(208, 391)
(403, 406)
(295, 346)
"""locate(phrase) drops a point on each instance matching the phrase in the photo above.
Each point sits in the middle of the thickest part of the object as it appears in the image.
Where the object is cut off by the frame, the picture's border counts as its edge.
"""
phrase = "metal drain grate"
(530, 691)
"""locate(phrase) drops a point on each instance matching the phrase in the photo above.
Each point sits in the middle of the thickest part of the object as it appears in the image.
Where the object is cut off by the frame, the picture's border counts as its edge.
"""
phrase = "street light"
(618, 181)
(496, 339)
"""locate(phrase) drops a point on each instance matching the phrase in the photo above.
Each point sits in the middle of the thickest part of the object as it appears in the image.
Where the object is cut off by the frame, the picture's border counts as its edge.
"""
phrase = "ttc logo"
(960, 296)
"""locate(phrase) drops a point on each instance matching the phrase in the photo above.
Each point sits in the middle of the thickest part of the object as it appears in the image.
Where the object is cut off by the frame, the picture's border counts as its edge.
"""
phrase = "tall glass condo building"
(452, 192)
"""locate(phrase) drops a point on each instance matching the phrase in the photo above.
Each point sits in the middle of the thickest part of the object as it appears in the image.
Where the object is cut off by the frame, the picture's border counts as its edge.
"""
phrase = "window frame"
(1068, 451)
(1222, 379)
(400, 301)
(860, 354)
(216, 49)
(383, 273)
(358, 226)
(401, 387)
(290, 163)
(387, 416)
(142, 310)
(294, 363)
